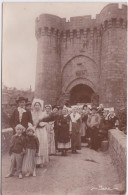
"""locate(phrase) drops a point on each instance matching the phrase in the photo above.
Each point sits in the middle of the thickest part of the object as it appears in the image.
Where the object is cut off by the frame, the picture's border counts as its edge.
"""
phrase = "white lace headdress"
(36, 100)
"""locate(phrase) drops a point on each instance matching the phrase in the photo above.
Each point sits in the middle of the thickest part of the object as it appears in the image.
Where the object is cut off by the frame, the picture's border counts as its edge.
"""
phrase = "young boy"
(17, 149)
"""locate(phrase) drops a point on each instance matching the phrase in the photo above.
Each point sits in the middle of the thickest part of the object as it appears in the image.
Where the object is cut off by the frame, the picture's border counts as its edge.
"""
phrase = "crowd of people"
(42, 130)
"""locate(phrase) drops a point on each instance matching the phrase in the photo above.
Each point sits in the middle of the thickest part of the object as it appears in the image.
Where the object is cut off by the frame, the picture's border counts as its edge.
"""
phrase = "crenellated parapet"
(113, 23)
(82, 26)
(69, 34)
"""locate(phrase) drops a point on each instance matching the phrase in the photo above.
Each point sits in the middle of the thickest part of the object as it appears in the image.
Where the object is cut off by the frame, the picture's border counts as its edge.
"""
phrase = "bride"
(40, 132)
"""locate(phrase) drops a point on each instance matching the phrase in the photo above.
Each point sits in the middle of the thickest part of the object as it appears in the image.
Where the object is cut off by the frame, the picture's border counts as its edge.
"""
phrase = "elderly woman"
(40, 132)
(64, 129)
(76, 128)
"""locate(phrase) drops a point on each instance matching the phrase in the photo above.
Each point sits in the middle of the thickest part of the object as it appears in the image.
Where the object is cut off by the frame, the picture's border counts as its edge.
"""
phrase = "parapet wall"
(110, 16)
(118, 152)
(6, 137)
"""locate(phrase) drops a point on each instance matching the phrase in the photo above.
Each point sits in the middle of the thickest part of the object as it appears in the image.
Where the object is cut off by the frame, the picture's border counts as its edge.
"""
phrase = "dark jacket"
(84, 118)
(17, 144)
(26, 118)
(32, 142)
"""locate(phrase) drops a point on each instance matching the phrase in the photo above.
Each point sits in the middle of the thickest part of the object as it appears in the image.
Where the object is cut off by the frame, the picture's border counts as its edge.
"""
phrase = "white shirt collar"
(21, 109)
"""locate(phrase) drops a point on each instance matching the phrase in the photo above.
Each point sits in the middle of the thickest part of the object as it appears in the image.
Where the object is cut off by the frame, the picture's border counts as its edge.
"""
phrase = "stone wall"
(118, 152)
(95, 48)
(5, 138)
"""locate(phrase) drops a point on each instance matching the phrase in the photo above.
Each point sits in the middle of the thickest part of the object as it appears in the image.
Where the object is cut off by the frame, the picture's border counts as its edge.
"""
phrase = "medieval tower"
(82, 57)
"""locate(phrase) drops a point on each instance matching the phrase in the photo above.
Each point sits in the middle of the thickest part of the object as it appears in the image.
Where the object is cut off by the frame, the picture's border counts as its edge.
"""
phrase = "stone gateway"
(82, 58)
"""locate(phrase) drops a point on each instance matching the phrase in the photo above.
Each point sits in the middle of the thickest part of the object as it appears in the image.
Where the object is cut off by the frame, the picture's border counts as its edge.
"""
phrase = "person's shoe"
(27, 175)
(34, 174)
(9, 175)
(20, 176)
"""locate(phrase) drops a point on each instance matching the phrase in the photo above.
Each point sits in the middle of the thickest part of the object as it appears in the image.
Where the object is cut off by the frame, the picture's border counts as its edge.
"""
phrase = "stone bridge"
(88, 172)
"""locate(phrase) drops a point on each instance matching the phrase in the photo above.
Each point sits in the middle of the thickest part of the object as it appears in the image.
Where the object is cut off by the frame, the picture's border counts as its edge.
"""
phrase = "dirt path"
(85, 173)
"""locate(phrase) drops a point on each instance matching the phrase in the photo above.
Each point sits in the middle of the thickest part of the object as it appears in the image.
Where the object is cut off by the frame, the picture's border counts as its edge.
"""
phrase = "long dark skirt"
(94, 138)
(75, 137)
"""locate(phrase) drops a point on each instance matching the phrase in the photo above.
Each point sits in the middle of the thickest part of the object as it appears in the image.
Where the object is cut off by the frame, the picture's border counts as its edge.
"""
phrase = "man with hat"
(93, 123)
(20, 115)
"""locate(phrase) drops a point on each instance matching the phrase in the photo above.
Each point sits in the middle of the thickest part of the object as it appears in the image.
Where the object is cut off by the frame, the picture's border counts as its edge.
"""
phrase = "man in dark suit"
(20, 115)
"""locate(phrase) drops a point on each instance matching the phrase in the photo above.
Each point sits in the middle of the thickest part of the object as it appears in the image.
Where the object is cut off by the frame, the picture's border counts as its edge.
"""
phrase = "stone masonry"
(91, 52)
(118, 152)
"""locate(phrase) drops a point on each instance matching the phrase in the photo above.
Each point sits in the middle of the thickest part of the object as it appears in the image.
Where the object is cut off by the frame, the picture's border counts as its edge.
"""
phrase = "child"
(16, 151)
(32, 148)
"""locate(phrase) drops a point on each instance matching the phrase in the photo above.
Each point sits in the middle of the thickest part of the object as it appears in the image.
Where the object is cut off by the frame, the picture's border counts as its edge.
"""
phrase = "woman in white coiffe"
(40, 132)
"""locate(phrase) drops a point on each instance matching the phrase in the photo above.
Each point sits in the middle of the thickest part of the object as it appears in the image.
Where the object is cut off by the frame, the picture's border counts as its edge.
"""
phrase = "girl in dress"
(32, 148)
(40, 132)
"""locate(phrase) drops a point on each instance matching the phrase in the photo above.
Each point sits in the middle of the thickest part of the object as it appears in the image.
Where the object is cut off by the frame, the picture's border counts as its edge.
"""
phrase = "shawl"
(75, 119)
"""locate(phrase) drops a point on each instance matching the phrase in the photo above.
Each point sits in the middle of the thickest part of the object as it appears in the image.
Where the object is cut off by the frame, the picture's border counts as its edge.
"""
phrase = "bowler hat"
(21, 99)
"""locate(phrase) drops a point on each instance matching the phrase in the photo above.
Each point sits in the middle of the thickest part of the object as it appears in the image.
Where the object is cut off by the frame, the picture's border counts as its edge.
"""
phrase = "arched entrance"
(81, 93)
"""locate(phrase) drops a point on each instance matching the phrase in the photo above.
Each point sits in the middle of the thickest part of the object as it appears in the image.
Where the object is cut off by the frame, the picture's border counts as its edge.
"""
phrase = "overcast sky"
(19, 42)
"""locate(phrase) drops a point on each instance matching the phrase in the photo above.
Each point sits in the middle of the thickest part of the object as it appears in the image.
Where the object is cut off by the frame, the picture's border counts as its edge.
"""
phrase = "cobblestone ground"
(86, 173)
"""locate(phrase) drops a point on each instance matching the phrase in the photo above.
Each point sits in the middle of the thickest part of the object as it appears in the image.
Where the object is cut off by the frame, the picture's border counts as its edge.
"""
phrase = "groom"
(20, 115)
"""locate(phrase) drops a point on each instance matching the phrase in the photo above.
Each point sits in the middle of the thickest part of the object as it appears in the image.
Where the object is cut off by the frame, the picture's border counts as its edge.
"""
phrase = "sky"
(19, 48)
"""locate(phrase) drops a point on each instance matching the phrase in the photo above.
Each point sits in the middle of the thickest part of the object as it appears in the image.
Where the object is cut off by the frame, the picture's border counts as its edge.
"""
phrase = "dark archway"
(81, 94)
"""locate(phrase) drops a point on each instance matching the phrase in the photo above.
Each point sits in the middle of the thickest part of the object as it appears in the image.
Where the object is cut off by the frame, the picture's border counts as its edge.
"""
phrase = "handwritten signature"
(100, 187)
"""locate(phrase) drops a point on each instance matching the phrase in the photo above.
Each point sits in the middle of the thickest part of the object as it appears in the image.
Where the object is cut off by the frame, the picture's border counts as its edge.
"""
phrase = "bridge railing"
(118, 152)
(5, 138)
